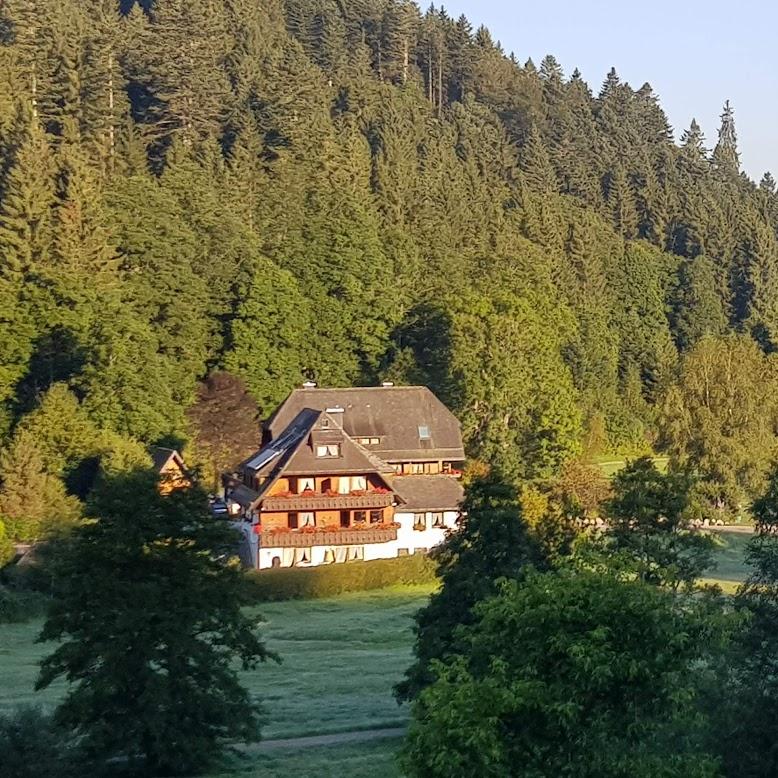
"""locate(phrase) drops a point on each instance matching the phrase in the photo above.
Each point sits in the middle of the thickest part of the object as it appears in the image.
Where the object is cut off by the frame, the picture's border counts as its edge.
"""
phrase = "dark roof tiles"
(405, 419)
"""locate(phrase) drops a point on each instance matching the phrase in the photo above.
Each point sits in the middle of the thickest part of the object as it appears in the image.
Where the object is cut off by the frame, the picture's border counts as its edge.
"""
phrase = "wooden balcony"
(323, 502)
(344, 537)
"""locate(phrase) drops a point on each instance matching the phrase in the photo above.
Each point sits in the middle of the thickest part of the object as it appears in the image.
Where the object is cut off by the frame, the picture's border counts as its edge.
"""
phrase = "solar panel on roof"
(262, 458)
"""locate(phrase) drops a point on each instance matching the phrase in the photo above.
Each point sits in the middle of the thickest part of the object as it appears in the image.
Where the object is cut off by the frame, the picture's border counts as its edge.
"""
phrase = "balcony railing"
(344, 537)
(324, 502)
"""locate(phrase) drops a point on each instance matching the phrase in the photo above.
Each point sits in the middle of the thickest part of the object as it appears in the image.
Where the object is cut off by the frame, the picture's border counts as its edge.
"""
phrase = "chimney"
(309, 385)
(387, 384)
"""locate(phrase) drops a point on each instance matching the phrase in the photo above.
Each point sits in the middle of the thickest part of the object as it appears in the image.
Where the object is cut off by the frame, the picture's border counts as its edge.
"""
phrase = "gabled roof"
(293, 452)
(428, 492)
(161, 456)
(409, 421)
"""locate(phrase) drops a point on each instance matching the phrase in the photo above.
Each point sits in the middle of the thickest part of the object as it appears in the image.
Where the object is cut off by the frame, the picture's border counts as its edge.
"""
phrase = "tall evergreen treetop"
(725, 155)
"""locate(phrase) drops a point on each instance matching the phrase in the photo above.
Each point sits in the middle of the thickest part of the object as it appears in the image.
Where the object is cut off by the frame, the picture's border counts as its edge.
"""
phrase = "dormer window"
(328, 450)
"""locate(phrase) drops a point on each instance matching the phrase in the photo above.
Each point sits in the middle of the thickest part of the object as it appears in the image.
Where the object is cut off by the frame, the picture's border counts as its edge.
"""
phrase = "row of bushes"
(17, 606)
(298, 583)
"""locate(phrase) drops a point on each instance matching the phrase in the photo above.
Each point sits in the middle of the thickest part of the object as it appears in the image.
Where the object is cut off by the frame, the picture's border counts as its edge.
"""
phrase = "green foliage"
(492, 541)
(33, 501)
(719, 420)
(270, 336)
(648, 524)
(153, 646)
(7, 550)
(332, 580)
(32, 746)
(546, 678)
(353, 190)
(749, 687)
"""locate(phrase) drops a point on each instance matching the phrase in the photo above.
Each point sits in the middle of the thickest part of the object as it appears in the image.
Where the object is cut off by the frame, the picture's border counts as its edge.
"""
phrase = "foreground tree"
(750, 693)
(649, 526)
(491, 542)
(568, 673)
(149, 622)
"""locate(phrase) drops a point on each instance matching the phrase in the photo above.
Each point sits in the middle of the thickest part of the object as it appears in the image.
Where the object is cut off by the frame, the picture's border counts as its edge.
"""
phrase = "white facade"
(418, 533)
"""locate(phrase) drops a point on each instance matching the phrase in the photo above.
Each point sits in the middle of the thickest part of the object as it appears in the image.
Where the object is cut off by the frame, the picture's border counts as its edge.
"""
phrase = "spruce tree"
(725, 156)
(491, 542)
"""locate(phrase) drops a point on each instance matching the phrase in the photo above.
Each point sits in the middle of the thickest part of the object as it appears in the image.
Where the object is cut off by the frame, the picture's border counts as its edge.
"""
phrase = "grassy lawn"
(611, 465)
(355, 760)
(729, 568)
(341, 658)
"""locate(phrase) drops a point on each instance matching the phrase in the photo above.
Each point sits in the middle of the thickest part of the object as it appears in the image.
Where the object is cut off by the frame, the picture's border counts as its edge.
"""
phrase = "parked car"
(219, 508)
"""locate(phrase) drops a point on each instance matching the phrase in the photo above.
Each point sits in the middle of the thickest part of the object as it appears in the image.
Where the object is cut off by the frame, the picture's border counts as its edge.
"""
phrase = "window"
(355, 553)
(402, 552)
(376, 517)
(417, 468)
(420, 550)
(328, 450)
(424, 432)
(305, 485)
(307, 519)
(419, 522)
(358, 482)
(368, 441)
(397, 467)
(360, 517)
(302, 556)
(325, 424)
(437, 520)
(345, 519)
(291, 521)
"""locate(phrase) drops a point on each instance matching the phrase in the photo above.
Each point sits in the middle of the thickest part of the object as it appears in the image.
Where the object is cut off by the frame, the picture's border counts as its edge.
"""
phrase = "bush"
(297, 583)
(31, 746)
(16, 606)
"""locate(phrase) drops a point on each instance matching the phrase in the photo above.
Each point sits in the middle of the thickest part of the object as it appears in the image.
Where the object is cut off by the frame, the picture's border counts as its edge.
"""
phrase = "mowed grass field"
(341, 658)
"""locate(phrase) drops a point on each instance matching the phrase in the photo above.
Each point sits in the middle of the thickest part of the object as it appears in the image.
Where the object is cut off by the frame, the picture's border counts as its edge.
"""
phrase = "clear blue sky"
(694, 54)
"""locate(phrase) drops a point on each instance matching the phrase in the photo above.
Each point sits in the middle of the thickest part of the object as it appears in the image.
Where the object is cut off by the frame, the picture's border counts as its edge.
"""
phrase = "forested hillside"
(351, 191)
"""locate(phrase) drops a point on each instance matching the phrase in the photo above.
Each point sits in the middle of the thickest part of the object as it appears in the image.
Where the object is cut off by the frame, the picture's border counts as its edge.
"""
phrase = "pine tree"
(492, 528)
(536, 164)
(725, 156)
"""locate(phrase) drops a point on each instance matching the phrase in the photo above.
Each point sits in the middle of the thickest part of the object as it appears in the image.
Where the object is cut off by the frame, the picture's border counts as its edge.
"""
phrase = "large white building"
(347, 474)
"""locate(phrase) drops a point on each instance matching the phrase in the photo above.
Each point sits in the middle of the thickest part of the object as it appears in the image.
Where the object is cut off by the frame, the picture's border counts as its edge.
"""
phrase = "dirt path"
(338, 738)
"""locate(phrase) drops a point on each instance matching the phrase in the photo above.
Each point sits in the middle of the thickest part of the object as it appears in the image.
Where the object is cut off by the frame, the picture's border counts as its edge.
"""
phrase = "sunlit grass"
(341, 658)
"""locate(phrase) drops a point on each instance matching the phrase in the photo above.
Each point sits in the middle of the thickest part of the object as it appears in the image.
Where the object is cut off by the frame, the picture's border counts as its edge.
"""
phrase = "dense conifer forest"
(351, 191)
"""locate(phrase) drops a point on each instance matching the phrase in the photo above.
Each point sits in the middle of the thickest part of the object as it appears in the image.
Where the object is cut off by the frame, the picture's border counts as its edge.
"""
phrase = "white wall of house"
(411, 538)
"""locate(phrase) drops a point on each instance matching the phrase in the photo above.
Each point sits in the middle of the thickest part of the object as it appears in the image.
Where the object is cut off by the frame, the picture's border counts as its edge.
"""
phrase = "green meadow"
(340, 659)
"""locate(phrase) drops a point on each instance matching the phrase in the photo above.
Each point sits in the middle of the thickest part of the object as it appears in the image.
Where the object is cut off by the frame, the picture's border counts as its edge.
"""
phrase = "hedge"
(311, 583)
(20, 606)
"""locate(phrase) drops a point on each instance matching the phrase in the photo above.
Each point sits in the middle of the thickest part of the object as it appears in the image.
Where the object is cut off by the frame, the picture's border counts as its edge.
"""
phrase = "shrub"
(18, 606)
(297, 583)
(6, 546)
(31, 746)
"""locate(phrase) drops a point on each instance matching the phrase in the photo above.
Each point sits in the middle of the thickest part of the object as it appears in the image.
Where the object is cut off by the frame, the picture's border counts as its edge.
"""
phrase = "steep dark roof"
(293, 453)
(161, 456)
(428, 492)
(397, 415)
